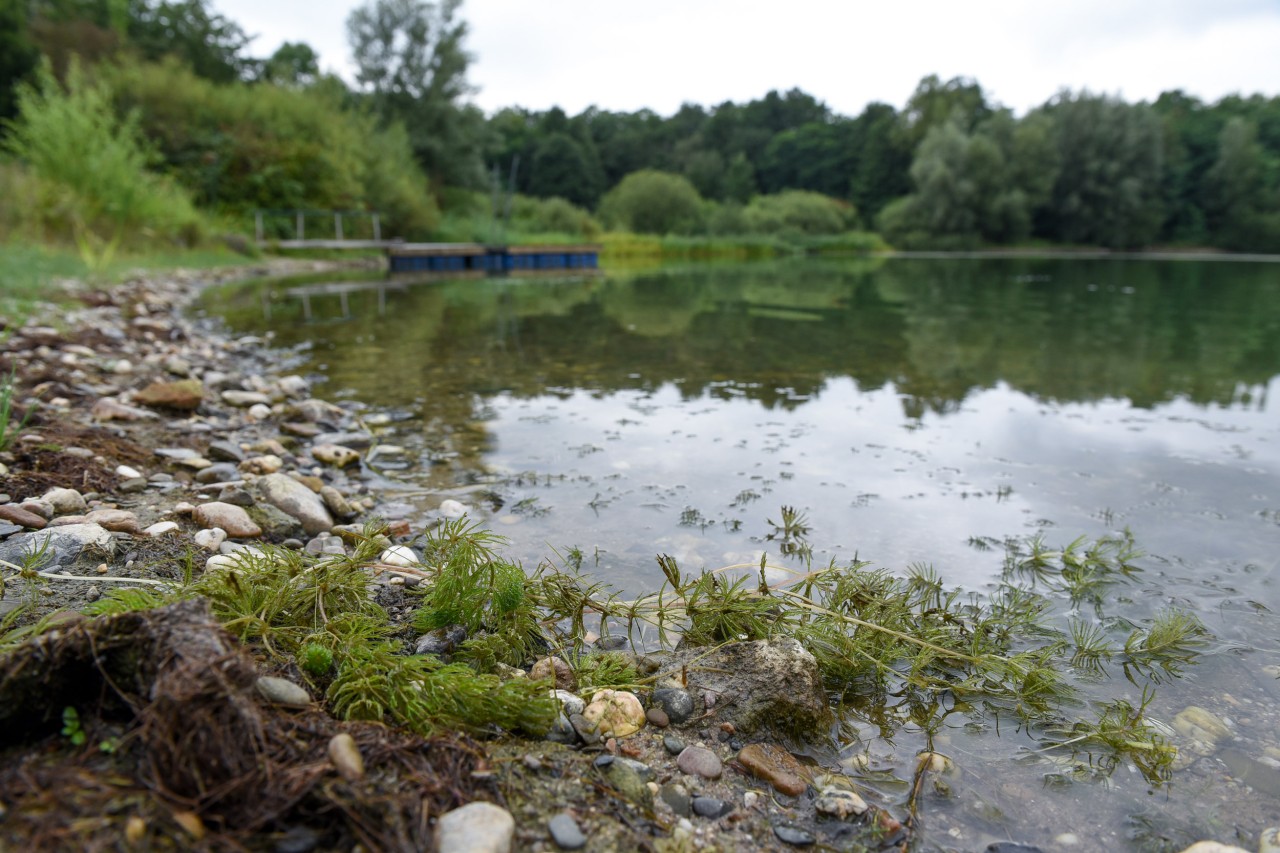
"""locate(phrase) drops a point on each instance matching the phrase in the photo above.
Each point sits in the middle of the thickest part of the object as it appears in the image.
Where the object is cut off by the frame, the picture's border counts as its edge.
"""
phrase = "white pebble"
(124, 472)
(399, 555)
(452, 509)
(211, 539)
(259, 411)
(162, 528)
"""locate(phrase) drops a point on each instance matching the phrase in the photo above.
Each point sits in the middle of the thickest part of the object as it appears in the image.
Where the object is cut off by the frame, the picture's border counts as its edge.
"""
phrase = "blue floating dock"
(469, 257)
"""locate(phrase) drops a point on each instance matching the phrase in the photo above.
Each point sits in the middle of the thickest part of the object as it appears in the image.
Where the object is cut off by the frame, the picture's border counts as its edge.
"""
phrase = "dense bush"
(88, 169)
(797, 212)
(652, 202)
(239, 147)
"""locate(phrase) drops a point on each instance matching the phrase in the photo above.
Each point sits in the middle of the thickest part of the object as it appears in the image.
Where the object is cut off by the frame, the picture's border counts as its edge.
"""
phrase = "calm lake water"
(916, 411)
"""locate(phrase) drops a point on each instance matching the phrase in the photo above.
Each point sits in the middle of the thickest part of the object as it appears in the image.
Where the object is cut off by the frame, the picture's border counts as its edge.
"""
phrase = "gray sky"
(659, 54)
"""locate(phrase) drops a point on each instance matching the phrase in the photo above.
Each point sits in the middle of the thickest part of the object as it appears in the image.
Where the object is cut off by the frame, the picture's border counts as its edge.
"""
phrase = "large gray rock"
(291, 497)
(766, 686)
(65, 545)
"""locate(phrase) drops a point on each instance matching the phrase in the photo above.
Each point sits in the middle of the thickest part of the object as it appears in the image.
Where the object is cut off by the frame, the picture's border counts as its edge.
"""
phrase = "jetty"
(467, 257)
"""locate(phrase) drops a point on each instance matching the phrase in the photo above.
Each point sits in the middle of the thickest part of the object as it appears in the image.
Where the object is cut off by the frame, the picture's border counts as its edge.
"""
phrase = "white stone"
(162, 528)
(65, 501)
(570, 703)
(399, 555)
(1270, 840)
(477, 827)
(259, 411)
(450, 508)
(124, 472)
(293, 386)
(616, 713)
(211, 539)
(1213, 847)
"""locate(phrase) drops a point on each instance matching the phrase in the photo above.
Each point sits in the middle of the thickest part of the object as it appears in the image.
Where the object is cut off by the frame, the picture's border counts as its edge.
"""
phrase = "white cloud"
(576, 53)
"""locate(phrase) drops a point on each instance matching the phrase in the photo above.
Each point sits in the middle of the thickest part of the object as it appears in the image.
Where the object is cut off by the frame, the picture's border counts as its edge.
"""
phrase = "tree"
(411, 63)
(1108, 190)
(1235, 191)
(652, 202)
(293, 64)
(209, 43)
(18, 53)
(561, 168)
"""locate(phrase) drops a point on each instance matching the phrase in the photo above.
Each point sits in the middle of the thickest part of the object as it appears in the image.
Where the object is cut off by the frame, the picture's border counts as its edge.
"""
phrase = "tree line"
(949, 169)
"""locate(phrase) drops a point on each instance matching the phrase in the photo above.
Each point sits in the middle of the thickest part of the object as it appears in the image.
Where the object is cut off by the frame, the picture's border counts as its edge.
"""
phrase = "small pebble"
(657, 717)
(793, 835)
(565, 832)
(708, 806)
(700, 761)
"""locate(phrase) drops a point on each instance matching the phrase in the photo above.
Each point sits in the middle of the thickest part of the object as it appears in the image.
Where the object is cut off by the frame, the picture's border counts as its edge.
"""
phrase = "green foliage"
(653, 202)
(9, 431)
(795, 213)
(93, 168)
(316, 659)
(411, 63)
(605, 669)
(124, 600)
(238, 147)
(71, 728)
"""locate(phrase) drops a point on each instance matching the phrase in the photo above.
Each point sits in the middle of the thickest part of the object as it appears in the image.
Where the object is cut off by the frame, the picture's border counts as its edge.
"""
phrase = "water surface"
(915, 411)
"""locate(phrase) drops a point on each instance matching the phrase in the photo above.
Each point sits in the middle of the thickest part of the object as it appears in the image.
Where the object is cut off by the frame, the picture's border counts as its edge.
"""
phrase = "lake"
(912, 411)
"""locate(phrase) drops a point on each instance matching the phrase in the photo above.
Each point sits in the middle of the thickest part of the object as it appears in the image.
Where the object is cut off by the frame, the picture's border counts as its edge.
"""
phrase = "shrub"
(92, 166)
(795, 212)
(652, 202)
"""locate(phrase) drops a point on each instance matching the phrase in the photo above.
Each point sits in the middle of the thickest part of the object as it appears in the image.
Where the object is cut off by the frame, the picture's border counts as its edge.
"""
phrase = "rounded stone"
(452, 509)
(839, 803)
(210, 539)
(282, 691)
(675, 702)
(673, 745)
(65, 501)
(335, 454)
(399, 555)
(476, 828)
(554, 668)
(657, 717)
(570, 703)
(565, 832)
(616, 713)
(794, 836)
(345, 755)
(700, 761)
(231, 518)
(708, 806)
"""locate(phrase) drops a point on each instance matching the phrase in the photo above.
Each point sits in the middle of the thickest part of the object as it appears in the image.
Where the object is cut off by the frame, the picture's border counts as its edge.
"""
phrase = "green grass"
(28, 273)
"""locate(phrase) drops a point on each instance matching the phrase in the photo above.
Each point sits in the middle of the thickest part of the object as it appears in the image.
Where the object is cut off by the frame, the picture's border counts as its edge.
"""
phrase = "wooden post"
(257, 224)
(302, 227)
(337, 224)
(377, 229)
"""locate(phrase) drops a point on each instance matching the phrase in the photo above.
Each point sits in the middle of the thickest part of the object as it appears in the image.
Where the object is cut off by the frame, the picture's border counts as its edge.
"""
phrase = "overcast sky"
(661, 53)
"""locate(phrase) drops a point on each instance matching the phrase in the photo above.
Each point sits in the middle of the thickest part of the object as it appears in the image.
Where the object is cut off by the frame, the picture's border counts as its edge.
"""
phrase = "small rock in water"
(475, 828)
(700, 761)
(794, 835)
(1198, 724)
(452, 509)
(839, 803)
(565, 832)
(1011, 847)
(612, 643)
(282, 691)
